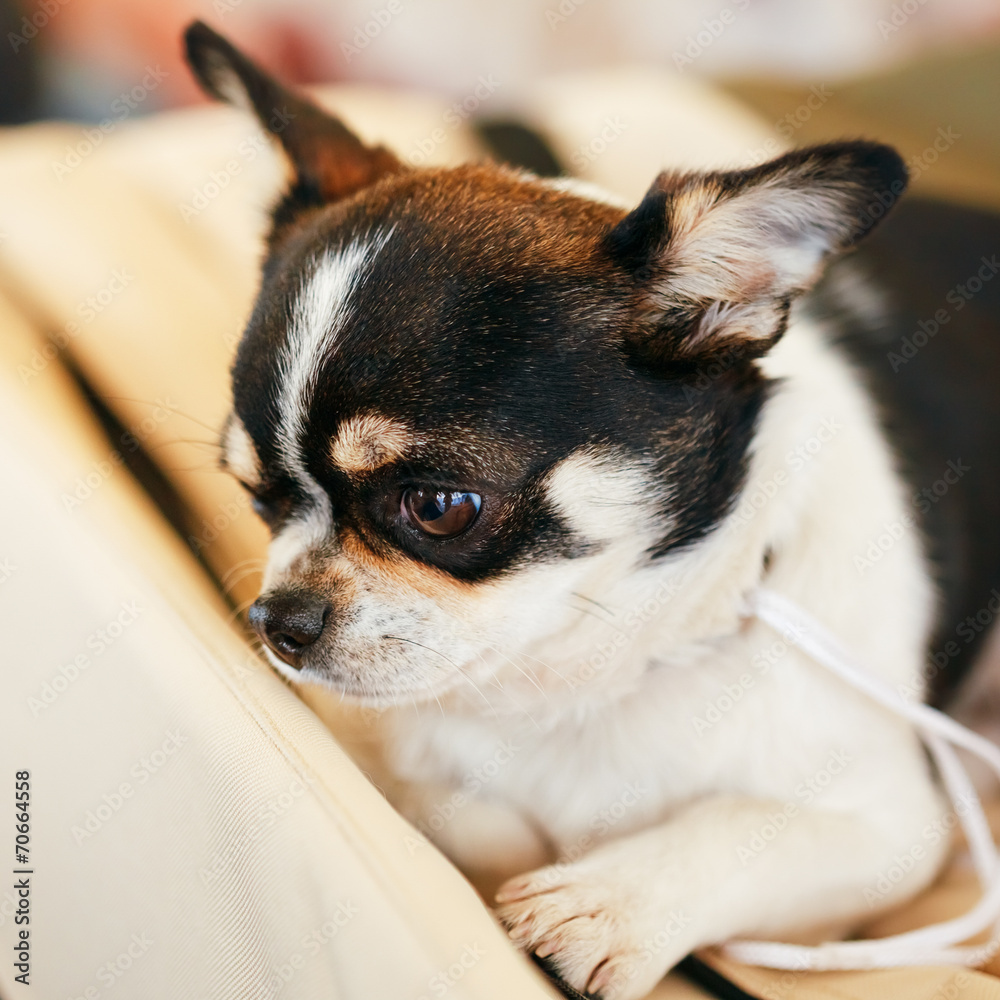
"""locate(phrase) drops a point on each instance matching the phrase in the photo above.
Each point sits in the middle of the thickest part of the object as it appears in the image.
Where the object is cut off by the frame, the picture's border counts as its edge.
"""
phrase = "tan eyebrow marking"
(238, 452)
(369, 441)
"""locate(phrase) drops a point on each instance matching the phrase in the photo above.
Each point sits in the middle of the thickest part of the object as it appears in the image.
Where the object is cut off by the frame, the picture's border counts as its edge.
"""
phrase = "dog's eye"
(440, 513)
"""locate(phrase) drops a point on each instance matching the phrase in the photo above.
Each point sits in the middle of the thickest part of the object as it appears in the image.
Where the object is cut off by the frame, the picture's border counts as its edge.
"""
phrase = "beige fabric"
(249, 829)
(193, 824)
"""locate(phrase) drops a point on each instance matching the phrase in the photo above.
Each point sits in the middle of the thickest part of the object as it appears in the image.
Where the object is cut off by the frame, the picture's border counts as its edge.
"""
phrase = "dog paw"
(601, 934)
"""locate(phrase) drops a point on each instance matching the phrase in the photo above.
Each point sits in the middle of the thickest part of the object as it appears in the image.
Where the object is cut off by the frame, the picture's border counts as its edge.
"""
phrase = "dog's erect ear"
(717, 258)
(329, 161)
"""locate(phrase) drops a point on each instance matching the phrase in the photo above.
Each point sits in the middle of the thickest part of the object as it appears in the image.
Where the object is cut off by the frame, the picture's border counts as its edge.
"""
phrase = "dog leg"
(615, 921)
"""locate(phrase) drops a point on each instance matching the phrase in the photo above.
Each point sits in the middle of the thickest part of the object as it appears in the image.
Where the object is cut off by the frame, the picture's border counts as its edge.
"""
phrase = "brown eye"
(441, 513)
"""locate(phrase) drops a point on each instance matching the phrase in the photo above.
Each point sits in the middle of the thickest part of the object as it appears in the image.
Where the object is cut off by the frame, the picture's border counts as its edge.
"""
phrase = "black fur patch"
(503, 351)
(940, 399)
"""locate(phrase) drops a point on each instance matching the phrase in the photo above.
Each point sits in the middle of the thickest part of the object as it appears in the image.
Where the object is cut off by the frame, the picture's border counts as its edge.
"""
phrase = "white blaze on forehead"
(603, 496)
(319, 315)
(239, 452)
(369, 441)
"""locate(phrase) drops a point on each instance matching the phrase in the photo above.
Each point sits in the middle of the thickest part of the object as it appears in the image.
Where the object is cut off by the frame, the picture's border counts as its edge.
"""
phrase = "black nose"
(289, 622)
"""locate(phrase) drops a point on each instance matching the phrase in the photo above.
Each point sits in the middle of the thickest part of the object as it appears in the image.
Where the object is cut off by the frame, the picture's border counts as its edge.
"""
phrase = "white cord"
(937, 944)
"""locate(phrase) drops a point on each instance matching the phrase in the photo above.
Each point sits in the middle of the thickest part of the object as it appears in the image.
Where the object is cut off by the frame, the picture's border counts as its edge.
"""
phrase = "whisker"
(529, 677)
(592, 614)
(208, 467)
(438, 700)
(475, 687)
(172, 409)
(214, 445)
(590, 600)
(544, 663)
(413, 702)
(507, 694)
(413, 642)
(494, 681)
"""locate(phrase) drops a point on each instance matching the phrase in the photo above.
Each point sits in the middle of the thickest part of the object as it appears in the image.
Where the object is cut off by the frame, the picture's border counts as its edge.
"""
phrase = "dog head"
(468, 399)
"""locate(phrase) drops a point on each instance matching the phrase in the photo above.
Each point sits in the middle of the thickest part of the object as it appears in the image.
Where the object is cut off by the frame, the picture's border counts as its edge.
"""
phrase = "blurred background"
(76, 56)
(899, 69)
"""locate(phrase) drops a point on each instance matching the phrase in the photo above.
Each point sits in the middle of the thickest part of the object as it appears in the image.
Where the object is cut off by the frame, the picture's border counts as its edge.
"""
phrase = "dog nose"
(289, 622)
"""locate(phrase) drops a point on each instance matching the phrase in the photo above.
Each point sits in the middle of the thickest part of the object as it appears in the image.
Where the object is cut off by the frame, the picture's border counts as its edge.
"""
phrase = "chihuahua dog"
(524, 452)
